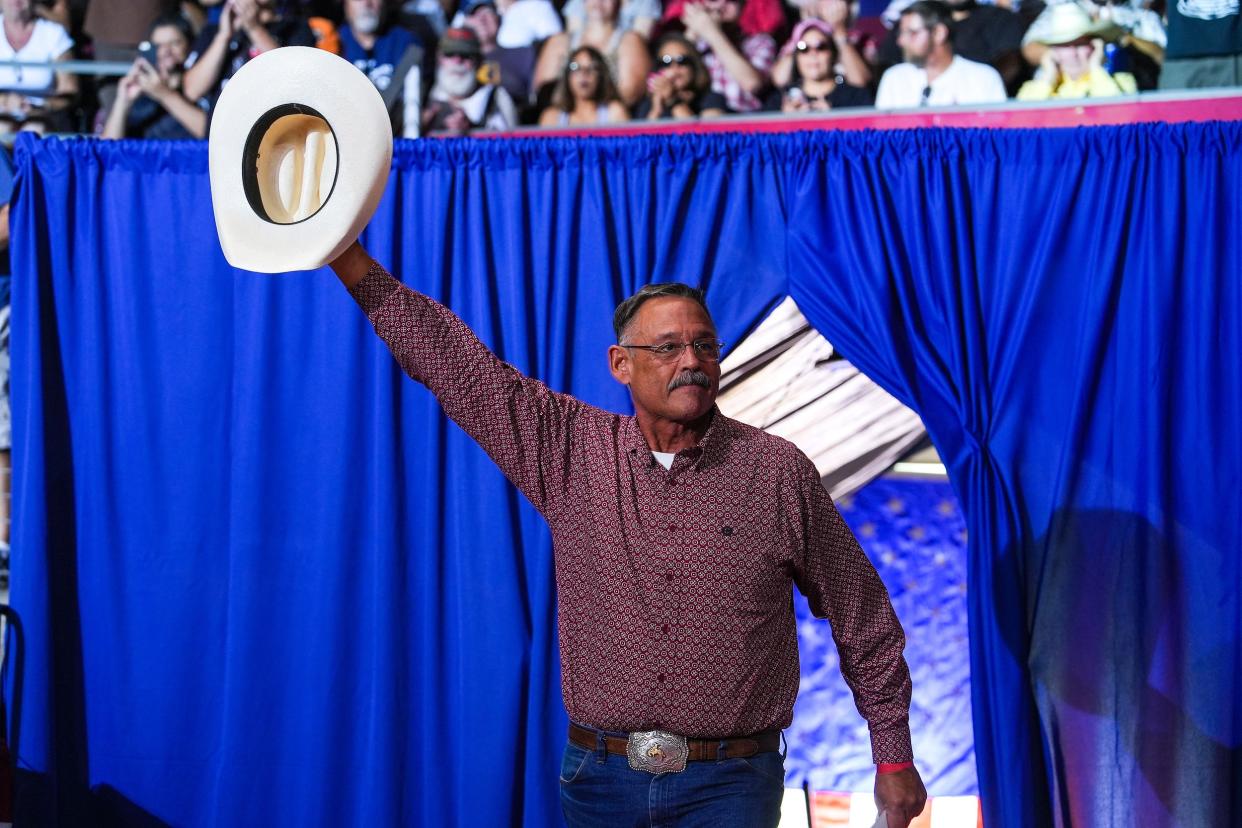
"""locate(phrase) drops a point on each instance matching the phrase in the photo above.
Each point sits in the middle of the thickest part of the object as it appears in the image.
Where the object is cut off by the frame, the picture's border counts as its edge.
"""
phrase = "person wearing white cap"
(1073, 65)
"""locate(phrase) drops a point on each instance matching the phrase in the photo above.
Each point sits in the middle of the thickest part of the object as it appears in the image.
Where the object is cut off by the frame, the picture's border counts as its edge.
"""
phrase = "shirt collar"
(709, 447)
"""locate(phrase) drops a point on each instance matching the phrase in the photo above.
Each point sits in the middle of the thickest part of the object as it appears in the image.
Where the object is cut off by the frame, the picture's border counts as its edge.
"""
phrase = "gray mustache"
(691, 377)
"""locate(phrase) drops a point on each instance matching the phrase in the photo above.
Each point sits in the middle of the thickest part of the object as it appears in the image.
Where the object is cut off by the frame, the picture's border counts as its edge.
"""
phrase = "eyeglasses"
(670, 60)
(822, 46)
(589, 68)
(707, 350)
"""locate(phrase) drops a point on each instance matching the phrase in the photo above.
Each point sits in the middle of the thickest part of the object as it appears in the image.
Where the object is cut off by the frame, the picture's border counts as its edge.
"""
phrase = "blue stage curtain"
(265, 581)
(1064, 310)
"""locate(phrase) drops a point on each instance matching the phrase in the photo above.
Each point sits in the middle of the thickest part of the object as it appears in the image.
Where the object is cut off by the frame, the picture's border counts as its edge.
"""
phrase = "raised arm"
(202, 76)
(519, 422)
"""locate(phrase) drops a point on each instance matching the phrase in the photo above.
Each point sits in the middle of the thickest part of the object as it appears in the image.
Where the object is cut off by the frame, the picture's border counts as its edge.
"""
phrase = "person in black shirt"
(247, 29)
(814, 83)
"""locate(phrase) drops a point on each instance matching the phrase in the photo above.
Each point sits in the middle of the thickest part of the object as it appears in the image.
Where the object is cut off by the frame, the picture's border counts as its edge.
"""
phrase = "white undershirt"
(664, 458)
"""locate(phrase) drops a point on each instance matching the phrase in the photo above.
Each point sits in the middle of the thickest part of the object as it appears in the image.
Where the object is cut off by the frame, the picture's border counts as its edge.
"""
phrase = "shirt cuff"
(892, 767)
(892, 746)
(374, 288)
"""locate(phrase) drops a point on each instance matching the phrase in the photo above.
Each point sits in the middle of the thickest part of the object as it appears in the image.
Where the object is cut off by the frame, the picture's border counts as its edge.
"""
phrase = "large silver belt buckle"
(657, 751)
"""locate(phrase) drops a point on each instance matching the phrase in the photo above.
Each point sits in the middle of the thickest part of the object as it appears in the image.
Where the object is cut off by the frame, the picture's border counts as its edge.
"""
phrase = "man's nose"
(689, 357)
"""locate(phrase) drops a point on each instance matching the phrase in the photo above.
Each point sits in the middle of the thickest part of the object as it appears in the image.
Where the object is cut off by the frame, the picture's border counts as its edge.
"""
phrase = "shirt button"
(672, 527)
(665, 628)
(669, 577)
(660, 677)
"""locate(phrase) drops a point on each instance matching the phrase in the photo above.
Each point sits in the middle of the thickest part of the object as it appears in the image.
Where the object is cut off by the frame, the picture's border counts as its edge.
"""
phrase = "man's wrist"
(892, 767)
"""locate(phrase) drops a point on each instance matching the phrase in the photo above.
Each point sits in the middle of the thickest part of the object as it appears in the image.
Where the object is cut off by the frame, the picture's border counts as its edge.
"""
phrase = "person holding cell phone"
(815, 84)
(150, 101)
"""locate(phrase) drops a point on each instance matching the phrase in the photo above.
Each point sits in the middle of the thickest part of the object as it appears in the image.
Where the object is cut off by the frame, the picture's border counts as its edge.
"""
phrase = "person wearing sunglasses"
(815, 81)
(585, 94)
(856, 48)
(680, 86)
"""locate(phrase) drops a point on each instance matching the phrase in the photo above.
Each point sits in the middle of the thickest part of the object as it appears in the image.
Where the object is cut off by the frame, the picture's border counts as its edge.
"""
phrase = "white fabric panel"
(784, 379)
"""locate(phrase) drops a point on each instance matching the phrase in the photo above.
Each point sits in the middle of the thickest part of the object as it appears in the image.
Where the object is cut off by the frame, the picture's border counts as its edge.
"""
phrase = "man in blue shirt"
(391, 56)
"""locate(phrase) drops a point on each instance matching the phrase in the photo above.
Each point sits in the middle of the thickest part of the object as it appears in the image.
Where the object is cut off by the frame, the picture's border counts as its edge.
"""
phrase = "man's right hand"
(901, 796)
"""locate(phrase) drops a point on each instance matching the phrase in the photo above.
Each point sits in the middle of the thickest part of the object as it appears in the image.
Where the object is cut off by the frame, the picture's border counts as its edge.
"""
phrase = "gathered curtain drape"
(265, 581)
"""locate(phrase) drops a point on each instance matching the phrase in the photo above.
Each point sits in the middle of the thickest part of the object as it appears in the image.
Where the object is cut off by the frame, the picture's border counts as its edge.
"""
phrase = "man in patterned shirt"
(678, 535)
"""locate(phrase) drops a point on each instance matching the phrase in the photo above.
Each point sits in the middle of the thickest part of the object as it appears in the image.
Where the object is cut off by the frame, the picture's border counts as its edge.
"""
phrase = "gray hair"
(626, 311)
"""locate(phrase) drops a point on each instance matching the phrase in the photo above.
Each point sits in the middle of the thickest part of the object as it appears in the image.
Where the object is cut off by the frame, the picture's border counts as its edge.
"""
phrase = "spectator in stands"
(680, 86)
(638, 16)
(1204, 46)
(247, 28)
(852, 47)
(1073, 62)
(933, 74)
(585, 93)
(515, 67)
(814, 83)
(1138, 48)
(149, 102)
(425, 16)
(526, 22)
(738, 64)
(459, 101)
(624, 51)
(34, 98)
(982, 32)
(1144, 31)
(391, 56)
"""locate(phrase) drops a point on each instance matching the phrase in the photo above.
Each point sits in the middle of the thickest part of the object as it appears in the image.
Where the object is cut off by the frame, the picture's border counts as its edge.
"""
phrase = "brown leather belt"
(699, 749)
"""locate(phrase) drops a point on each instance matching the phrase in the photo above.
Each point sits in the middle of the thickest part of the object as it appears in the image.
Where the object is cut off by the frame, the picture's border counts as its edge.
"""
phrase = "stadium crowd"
(452, 66)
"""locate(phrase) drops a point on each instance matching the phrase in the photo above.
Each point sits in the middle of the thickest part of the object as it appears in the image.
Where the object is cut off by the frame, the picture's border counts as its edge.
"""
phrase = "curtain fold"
(1062, 309)
(265, 581)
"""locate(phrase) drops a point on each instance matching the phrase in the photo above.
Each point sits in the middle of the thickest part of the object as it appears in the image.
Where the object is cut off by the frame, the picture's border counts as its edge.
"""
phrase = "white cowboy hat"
(299, 154)
(1068, 22)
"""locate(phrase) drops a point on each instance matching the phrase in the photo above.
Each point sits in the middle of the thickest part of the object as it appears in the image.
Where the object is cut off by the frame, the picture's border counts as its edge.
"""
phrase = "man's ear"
(941, 33)
(619, 364)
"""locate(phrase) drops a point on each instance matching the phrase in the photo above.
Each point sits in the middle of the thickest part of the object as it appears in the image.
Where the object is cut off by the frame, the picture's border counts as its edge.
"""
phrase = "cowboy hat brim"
(303, 81)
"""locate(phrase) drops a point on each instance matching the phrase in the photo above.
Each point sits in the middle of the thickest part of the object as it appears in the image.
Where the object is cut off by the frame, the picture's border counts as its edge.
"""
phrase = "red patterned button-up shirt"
(674, 586)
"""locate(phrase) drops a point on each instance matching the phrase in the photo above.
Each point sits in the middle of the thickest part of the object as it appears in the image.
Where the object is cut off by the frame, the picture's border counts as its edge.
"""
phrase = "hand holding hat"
(299, 154)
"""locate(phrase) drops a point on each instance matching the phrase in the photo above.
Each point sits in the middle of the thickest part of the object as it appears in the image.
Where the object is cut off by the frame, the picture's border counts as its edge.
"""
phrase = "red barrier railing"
(1170, 107)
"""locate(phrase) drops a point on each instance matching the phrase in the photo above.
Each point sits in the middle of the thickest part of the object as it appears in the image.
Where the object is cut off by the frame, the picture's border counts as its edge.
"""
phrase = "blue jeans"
(601, 790)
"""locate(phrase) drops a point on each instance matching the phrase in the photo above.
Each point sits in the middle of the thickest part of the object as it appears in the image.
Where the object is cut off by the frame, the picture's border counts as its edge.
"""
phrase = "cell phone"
(148, 52)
